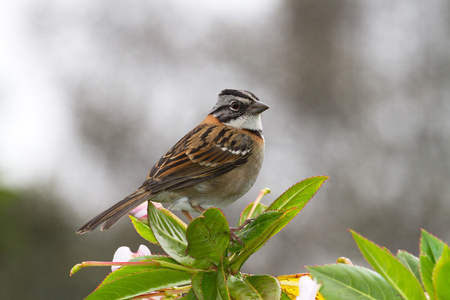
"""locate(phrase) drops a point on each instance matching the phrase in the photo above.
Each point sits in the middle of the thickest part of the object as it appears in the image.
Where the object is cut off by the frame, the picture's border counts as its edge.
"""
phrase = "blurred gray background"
(92, 93)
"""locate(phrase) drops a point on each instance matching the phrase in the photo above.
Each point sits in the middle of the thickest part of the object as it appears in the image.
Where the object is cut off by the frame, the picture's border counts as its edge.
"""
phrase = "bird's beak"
(257, 107)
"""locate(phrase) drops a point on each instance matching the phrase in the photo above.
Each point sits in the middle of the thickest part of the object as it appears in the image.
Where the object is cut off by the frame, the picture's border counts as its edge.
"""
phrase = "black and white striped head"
(240, 109)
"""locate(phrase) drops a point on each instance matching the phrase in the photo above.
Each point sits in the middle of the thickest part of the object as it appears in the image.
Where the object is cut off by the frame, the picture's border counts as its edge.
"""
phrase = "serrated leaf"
(130, 270)
(441, 275)
(139, 280)
(409, 261)
(208, 236)
(290, 203)
(170, 233)
(222, 275)
(431, 246)
(266, 285)
(299, 194)
(207, 286)
(190, 296)
(197, 282)
(259, 209)
(426, 273)
(396, 274)
(143, 229)
(340, 281)
(256, 229)
(254, 287)
(430, 251)
(273, 223)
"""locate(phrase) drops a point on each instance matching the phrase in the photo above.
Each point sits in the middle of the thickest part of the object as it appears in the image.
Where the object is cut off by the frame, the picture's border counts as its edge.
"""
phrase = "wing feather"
(205, 152)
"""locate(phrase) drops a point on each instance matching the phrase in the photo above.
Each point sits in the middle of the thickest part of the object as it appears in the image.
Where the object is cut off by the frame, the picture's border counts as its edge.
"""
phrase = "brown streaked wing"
(205, 152)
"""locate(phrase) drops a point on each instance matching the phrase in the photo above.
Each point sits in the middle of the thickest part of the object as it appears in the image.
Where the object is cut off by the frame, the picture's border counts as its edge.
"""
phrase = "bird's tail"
(117, 211)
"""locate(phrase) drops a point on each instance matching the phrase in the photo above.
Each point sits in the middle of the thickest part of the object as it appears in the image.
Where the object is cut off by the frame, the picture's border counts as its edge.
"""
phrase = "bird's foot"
(246, 222)
(233, 235)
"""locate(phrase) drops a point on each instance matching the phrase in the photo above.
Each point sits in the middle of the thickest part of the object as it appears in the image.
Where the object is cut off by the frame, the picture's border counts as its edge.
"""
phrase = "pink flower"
(124, 254)
(140, 212)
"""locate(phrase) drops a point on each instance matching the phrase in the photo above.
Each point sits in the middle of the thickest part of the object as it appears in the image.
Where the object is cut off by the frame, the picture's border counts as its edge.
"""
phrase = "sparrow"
(213, 165)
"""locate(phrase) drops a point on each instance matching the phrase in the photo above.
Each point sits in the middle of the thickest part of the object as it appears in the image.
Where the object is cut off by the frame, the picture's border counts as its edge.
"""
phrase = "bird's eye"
(234, 105)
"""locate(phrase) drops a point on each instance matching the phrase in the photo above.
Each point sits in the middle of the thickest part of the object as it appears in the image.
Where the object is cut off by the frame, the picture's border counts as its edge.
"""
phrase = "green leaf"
(144, 230)
(426, 273)
(267, 286)
(257, 233)
(130, 270)
(190, 296)
(299, 194)
(170, 232)
(203, 284)
(431, 246)
(340, 281)
(222, 275)
(131, 281)
(209, 285)
(267, 224)
(256, 229)
(396, 274)
(409, 261)
(208, 236)
(430, 251)
(254, 287)
(260, 208)
(441, 275)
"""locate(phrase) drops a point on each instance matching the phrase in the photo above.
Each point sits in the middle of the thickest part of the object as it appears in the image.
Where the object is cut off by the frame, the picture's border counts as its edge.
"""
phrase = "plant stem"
(166, 264)
(258, 199)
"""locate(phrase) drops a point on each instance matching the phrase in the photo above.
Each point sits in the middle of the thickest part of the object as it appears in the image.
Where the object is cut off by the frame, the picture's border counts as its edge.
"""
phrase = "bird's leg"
(235, 238)
(197, 208)
(246, 222)
(234, 229)
(187, 215)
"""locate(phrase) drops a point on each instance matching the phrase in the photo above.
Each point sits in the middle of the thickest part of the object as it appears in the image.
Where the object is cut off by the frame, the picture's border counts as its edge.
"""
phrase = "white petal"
(122, 254)
(308, 288)
(143, 251)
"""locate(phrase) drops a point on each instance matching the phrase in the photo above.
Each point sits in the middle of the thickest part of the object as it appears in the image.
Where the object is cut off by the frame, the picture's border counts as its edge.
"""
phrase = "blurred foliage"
(38, 246)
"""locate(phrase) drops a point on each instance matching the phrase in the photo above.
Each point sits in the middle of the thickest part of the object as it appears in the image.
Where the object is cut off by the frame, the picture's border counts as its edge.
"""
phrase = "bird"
(213, 165)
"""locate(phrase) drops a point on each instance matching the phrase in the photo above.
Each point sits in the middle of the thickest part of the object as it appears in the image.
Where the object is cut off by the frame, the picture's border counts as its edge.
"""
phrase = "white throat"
(250, 122)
